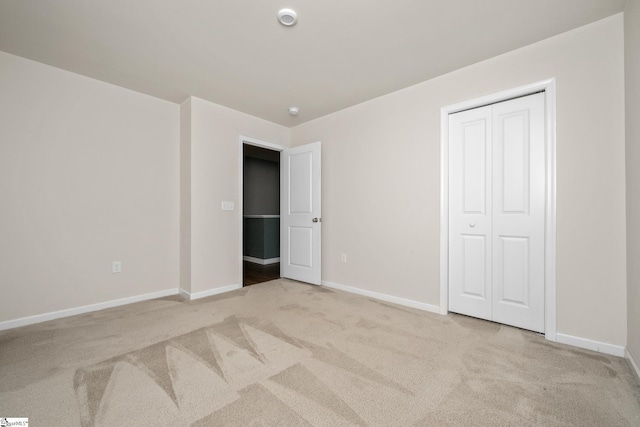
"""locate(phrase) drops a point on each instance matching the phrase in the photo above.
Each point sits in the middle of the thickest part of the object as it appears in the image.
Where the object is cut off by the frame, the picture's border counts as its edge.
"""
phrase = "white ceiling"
(235, 53)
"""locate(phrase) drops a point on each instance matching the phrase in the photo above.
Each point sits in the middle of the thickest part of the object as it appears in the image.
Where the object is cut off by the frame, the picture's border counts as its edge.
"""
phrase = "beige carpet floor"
(284, 353)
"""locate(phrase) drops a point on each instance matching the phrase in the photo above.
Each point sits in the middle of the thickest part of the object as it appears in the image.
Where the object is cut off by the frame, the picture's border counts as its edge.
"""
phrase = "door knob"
(473, 224)
(317, 220)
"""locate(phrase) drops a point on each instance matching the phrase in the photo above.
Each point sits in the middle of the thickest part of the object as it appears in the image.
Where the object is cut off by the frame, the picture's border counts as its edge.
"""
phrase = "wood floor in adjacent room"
(284, 353)
(256, 273)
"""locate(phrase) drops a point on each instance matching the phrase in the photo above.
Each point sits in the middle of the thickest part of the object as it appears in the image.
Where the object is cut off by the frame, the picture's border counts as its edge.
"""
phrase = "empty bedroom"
(320, 213)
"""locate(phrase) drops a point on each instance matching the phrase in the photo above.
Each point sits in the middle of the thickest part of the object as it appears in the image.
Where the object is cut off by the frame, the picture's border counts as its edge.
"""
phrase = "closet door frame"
(549, 88)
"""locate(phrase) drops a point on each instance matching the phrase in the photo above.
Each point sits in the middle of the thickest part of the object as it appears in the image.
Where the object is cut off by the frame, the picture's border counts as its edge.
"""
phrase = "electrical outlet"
(116, 267)
(343, 258)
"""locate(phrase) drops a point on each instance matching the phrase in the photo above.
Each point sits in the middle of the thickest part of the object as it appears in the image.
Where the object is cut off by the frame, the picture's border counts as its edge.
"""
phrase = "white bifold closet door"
(497, 212)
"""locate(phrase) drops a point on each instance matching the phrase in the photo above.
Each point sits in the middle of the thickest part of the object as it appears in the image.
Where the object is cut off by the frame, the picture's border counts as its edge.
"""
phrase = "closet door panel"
(518, 212)
(497, 212)
(470, 195)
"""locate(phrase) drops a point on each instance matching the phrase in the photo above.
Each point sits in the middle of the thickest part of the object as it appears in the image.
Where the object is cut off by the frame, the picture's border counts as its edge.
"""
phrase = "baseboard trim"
(38, 318)
(203, 294)
(633, 363)
(260, 260)
(184, 294)
(384, 297)
(600, 347)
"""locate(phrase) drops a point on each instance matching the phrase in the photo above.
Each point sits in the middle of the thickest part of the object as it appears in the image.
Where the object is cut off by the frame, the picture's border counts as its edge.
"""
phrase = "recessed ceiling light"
(287, 17)
(293, 111)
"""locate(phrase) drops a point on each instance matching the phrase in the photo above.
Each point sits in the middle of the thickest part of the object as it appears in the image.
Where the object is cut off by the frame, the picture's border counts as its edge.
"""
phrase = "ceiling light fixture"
(287, 17)
(293, 111)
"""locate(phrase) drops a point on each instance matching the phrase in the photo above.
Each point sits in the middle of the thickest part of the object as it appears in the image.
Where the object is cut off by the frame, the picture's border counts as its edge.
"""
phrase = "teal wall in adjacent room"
(262, 237)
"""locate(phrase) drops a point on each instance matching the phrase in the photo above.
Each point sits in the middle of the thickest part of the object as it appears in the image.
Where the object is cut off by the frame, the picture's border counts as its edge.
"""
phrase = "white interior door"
(301, 223)
(496, 212)
(518, 212)
(470, 285)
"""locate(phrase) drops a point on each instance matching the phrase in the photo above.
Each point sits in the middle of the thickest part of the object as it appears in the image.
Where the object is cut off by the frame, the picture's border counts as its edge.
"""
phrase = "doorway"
(260, 214)
(498, 208)
(300, 222)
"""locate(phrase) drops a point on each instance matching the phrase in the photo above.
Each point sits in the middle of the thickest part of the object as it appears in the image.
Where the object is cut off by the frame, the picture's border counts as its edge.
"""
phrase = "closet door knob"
(473, 224)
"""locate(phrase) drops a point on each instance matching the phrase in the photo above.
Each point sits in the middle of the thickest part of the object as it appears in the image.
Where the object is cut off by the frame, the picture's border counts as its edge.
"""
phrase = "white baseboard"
(600, 347)
(384, 297)
(632, 362)
(30, 320)
(261, 261)
(208, 293)
(184, 294)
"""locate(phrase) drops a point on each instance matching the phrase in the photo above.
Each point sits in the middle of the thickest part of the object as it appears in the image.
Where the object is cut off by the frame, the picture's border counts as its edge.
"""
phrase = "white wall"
(632, 98)
(216, 156)
(185, 195)
(381, 178)
(88, 175)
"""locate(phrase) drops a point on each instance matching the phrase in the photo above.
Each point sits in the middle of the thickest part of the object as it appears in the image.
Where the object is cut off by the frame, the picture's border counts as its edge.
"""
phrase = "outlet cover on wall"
(116, 266)
(343, 258)
(227, 205)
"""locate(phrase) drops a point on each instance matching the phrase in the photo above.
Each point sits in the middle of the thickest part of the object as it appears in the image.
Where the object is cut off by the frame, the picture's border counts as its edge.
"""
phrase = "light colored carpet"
(285, 353)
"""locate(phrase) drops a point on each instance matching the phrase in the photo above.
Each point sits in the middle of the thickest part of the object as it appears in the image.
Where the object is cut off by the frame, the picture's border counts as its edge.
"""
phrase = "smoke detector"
(287, 17)
(293, 111)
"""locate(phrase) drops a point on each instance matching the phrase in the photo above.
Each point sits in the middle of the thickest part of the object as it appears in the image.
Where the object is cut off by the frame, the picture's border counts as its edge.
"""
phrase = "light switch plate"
(116, 267)
(227, 205)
